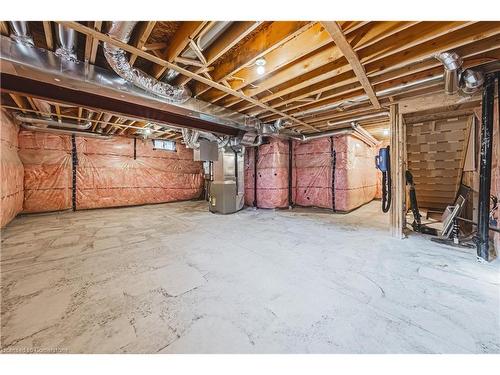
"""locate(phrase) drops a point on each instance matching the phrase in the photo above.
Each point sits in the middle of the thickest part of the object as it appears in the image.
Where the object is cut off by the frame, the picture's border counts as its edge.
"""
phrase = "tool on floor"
(417, 222)
(383, 163)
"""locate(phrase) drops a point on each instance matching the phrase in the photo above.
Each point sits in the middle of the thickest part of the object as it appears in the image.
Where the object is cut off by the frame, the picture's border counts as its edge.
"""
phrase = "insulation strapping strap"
(74, 158)
(334, 162)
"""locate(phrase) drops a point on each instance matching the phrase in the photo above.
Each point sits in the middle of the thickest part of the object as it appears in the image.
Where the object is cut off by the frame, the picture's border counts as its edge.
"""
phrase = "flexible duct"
(67, 43)
(64, 131)
(191, 138)
(452, 69)
(20, 32)
(118, 60)
(46, 122)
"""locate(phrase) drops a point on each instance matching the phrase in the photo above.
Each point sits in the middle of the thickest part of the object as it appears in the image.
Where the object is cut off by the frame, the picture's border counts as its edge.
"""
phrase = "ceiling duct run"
(119, 62)
(20, 32)
(455, 78)
(67, 43)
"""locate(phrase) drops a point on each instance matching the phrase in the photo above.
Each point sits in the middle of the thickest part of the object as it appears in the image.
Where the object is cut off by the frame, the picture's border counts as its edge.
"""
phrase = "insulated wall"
(107, 174)
(11, 171)
(272, 174)
(313, 166)
(47, 171)
(355, 173)
(312, 173)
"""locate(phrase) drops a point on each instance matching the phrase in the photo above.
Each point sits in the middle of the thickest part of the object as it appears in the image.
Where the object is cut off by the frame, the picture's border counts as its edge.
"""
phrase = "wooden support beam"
(145, 29)
(49, 39)
(272, 36)
(340, 40)
(19, 102)
(126, 47)
(187, 31)
(235, 33)
(4, 28)
(397, 156)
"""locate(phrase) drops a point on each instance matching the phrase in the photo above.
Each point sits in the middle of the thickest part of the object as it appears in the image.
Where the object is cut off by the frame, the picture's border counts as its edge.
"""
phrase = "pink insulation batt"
(272, 175)
(355, 173)
(108, 175)
(11, 171)
(312, 173)
(47, 171)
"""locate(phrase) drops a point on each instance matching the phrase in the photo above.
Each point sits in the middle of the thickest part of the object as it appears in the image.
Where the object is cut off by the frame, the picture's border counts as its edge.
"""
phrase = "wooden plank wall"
(436, 155)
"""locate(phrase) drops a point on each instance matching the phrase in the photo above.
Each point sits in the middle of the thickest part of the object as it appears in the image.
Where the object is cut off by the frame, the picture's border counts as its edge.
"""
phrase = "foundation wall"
(355, 178)
(11, 171)
(107, 175)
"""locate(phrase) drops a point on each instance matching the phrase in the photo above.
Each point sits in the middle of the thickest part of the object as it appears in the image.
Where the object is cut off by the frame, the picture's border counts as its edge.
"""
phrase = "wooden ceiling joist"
(145, 29)
(91, 44)
(187, 31)
(340, 40)
(131, 49)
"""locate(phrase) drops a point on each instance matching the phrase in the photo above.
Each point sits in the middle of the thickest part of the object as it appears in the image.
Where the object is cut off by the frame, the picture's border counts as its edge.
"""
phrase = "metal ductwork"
(452, 69)
(64, 131)
(119, 62)
(472, 81)
(45, 122)
(359, 118)
(191, 138)
(455, 78)
(67, 43)
(379, 94)
(20, 32)
(43, 67)
(43, 107)
(251, 139)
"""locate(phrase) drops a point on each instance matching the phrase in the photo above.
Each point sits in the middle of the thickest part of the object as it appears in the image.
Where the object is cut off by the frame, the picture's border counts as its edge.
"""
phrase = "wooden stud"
(397, 210)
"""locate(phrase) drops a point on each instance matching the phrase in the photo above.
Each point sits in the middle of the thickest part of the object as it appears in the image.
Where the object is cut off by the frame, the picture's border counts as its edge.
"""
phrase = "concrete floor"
(173, 278)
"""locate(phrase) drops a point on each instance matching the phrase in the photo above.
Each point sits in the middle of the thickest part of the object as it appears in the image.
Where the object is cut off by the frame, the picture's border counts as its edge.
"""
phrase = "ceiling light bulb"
(260, 61)
(147, 131)
(261, 70)
(386, 132)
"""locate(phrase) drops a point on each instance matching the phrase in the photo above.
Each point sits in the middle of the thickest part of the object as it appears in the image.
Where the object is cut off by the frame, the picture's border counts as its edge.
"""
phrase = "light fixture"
(147, 131)
(386, 132)
(57, 80)
(260, 62)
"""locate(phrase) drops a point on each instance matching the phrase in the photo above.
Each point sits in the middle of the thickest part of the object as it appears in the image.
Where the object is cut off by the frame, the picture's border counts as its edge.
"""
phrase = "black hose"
(386, 185)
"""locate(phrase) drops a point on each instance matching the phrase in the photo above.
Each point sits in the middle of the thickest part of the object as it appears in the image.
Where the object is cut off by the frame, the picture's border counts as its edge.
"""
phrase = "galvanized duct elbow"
(471, 81)
(452, 69)
(20, 32)
(191, 138)
(67, 42)
(118, 60)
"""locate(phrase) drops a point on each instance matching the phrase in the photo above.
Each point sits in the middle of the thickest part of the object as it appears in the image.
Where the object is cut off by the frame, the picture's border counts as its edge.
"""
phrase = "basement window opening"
(162, 144)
